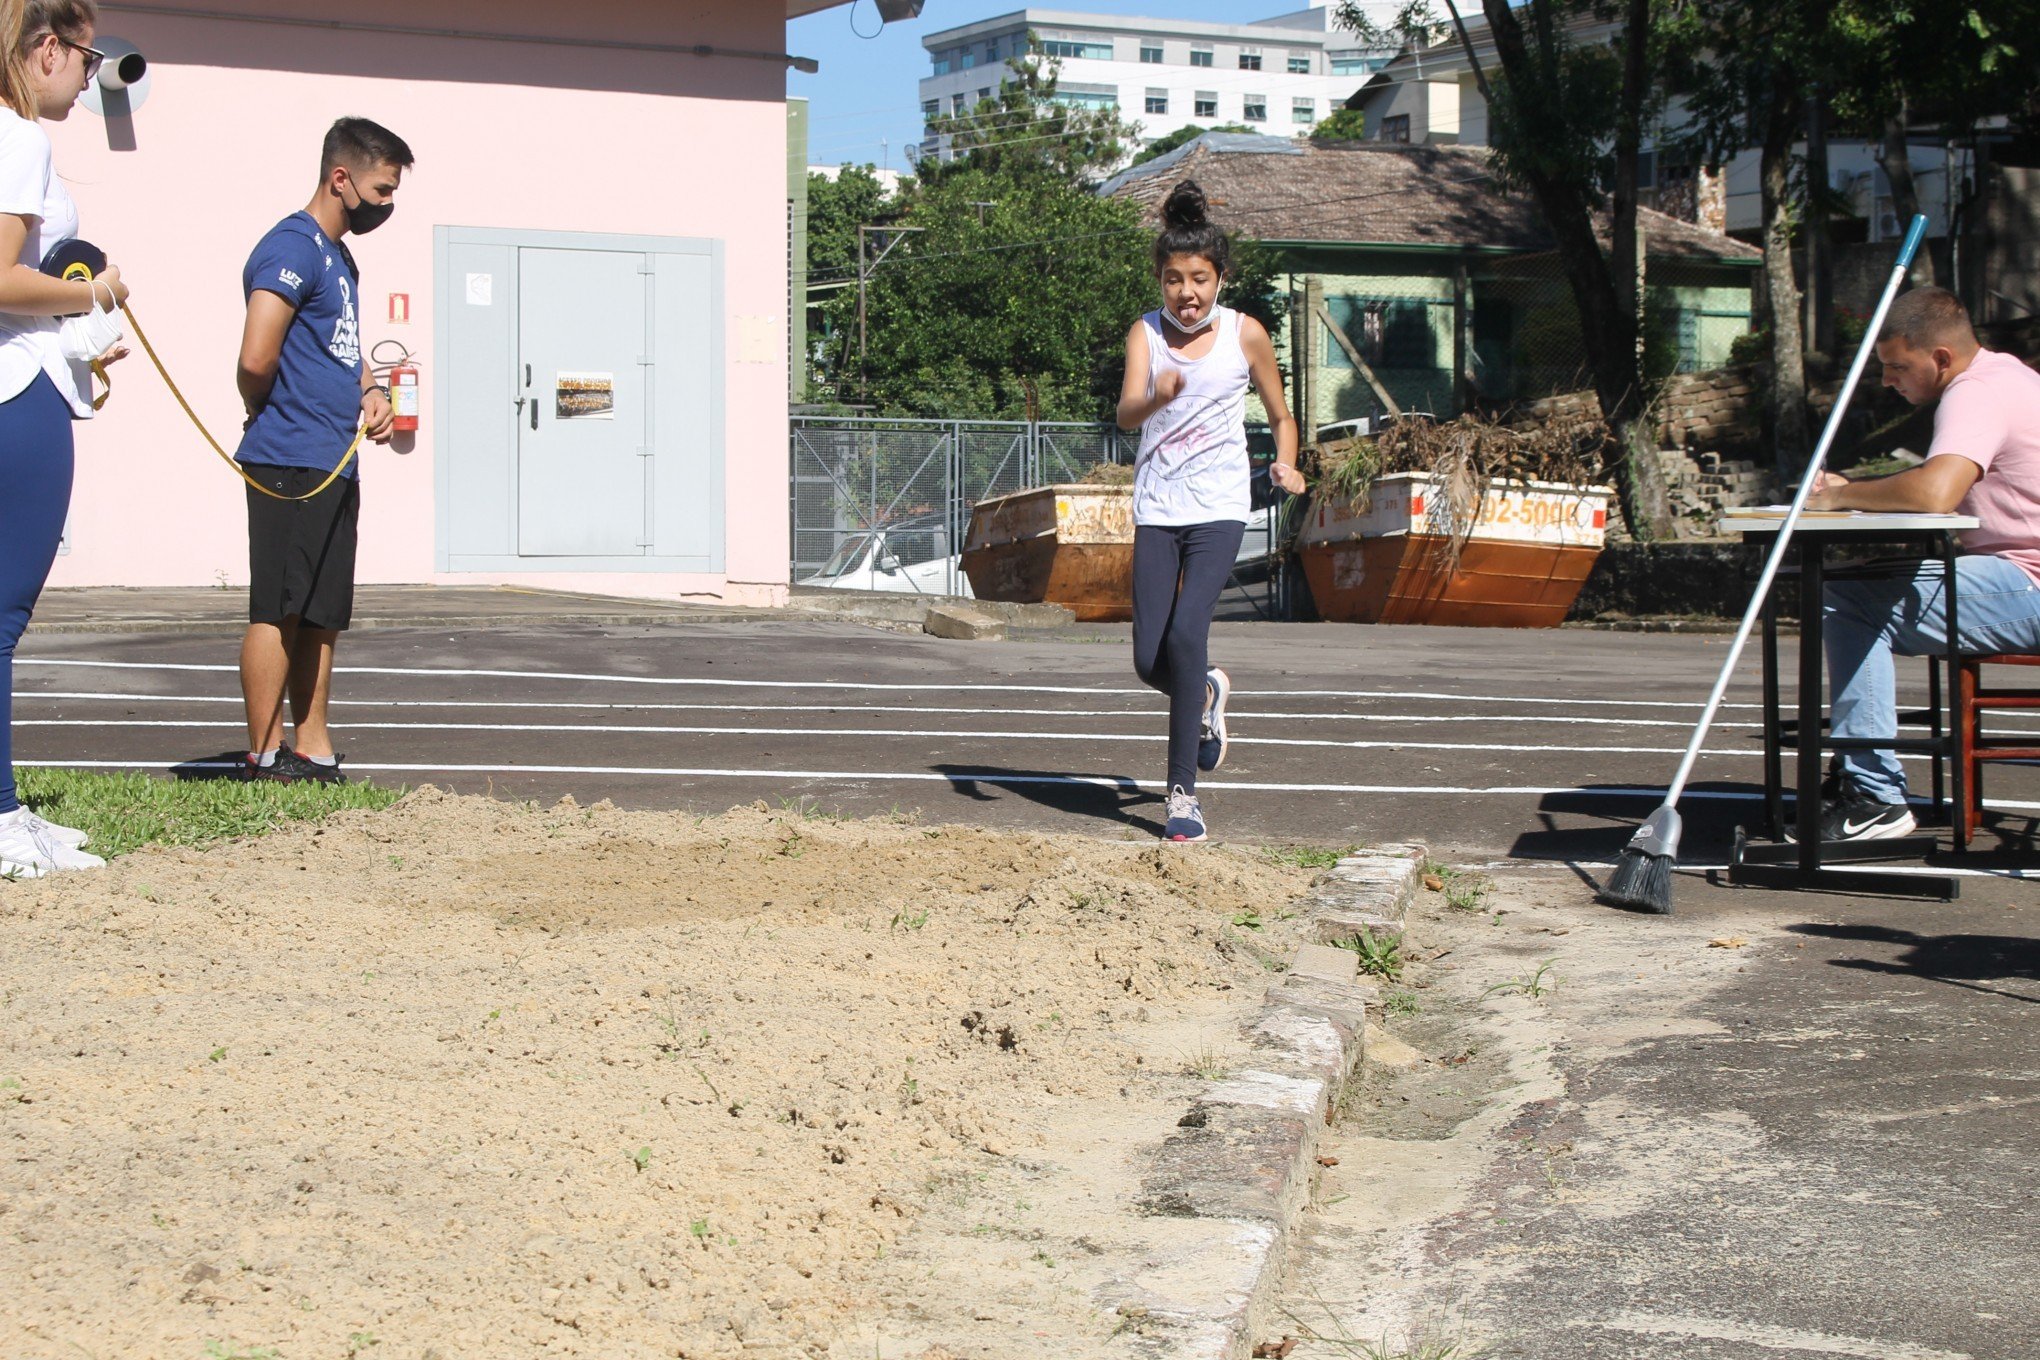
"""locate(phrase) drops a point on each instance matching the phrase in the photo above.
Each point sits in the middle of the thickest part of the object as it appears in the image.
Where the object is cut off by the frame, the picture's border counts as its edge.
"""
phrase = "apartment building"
(1279, 75)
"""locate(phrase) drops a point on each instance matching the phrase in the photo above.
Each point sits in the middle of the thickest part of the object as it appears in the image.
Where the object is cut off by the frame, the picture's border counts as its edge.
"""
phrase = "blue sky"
(864, 103)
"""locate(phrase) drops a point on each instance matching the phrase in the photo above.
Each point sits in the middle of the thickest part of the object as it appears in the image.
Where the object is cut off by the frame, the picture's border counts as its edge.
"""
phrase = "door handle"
(527, 375)
(534, 413)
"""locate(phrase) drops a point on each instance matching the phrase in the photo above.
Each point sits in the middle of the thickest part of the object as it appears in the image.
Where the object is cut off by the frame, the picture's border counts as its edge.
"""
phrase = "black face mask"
(364, 216)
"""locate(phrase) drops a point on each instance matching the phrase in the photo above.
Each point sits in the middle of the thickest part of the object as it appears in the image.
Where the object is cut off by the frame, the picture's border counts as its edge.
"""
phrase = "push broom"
(1643, 873)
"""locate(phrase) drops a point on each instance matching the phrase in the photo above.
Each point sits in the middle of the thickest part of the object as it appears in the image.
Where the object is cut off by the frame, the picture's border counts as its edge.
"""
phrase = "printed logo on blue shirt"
(288, 277)
(346, 342)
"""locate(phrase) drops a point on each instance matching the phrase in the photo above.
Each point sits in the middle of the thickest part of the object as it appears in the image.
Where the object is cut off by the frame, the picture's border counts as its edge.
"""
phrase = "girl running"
(1188, 365)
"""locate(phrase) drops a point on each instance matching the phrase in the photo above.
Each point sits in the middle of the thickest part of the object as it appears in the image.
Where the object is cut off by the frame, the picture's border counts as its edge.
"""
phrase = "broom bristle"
(1641, 880)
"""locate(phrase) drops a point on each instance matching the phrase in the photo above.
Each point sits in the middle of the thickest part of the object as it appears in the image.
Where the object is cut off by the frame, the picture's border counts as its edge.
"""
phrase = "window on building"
(968, 60)
(1081, 97)
(1254, 108)
(941, 66)
(1299, 63)
(1390, 333)
(1079, 51)
(1395, 128)
(931, 108)
(992, 52)
(1157, 101)
(1207, 104)
(956, 103)
(1151, 54)
(1202, 56)
(1250, 58)
(984, 93)
(1303, 111)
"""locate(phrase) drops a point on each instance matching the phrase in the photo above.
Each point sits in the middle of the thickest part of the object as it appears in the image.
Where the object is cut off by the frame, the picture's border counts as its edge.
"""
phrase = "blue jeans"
(1868, 622)
(35, 495)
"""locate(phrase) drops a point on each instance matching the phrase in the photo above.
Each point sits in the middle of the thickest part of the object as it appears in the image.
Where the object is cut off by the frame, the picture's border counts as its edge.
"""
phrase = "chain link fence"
(883, 504)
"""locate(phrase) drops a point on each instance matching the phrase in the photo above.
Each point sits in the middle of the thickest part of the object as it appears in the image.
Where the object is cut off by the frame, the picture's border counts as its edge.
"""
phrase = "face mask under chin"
(1202, 323)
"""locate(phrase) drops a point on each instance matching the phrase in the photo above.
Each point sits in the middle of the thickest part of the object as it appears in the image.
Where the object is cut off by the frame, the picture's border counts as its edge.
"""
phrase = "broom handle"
(1913, 236)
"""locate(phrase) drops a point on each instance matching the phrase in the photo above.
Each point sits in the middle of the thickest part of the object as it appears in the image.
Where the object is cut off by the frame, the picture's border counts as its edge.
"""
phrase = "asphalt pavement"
(1489, 744)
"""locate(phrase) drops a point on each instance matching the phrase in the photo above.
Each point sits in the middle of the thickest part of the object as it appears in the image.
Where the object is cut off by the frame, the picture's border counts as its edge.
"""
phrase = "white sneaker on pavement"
(28, 851)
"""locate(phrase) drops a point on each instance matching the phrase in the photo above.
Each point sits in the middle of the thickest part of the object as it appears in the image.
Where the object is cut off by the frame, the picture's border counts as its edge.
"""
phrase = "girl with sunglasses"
(46, 60)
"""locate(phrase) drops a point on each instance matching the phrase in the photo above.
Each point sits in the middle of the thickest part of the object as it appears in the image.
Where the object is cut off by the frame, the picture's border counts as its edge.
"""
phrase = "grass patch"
(127, 810)
(1464, 889)
(1380, 955)
(1307, 856)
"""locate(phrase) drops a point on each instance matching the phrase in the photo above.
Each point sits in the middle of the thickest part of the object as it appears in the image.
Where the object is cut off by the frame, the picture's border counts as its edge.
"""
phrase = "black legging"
(1178, 572)
(35, 495)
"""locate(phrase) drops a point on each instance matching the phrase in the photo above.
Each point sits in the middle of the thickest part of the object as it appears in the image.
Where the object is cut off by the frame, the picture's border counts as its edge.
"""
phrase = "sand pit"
(463, 1080)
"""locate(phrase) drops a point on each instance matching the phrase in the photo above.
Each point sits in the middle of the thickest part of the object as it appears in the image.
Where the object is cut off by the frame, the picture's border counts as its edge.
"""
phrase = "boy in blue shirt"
(308, 388)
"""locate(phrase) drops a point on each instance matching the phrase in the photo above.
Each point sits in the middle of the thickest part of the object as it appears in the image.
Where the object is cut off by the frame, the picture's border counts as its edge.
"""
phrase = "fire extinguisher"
(401, 377)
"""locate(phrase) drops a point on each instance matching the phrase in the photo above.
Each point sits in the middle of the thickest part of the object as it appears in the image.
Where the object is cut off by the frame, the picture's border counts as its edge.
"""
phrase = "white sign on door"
(481, 290)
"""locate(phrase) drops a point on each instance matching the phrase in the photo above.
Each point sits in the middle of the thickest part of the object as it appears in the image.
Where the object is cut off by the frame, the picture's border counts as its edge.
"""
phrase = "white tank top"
(1192, 467)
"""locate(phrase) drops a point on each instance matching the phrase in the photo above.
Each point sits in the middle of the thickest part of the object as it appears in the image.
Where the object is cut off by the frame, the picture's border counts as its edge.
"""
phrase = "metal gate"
(885, 504)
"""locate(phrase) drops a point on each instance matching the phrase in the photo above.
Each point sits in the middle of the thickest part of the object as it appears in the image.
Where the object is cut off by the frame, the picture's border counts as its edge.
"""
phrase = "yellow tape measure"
(79, 271)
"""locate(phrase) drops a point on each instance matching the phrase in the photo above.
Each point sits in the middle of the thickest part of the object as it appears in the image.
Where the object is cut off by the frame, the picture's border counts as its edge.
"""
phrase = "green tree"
(1012, 293)
(1346, 125)
(836, 209)
(1183, 136)
(1554, 108)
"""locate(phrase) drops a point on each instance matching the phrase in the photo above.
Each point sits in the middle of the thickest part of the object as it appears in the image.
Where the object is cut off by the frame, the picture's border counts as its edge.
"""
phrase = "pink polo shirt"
(1990, 415)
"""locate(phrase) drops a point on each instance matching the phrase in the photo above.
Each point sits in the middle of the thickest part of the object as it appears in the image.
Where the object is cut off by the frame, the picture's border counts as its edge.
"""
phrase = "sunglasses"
(94, 58)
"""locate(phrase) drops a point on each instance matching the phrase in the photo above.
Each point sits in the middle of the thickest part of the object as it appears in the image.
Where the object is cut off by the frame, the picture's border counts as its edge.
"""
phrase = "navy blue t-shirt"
(316, 403)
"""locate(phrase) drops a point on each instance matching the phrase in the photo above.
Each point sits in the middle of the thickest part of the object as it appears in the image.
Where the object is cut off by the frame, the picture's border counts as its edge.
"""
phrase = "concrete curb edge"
(1244, 1157)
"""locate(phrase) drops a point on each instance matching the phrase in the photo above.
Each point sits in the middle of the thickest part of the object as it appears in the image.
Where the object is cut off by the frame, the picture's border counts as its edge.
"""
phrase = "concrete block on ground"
(1325, 963)
(964, 623)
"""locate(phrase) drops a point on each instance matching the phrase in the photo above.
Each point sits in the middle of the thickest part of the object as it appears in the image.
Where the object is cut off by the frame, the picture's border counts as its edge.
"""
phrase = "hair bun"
(1185, 206)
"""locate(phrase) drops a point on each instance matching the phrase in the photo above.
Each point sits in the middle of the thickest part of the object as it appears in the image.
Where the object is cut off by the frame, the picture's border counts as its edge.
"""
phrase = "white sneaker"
(27, 851)
(56, 831)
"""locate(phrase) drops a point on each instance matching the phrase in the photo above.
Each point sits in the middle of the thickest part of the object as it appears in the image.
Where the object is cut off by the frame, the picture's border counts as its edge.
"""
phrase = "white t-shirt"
(29, 188)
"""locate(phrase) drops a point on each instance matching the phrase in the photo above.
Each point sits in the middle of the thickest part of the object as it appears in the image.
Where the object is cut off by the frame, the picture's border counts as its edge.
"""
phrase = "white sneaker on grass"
(29, 851)
(57, 831)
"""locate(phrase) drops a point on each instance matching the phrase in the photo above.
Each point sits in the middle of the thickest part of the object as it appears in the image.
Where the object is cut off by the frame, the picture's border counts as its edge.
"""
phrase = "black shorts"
(301, 553)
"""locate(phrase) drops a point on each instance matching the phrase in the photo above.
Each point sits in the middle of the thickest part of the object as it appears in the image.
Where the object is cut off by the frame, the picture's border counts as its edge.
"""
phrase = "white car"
(866, 561)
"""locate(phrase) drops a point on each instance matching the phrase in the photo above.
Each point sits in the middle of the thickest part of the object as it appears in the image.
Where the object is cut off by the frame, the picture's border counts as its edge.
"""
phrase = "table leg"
(1812, 668)
(1958, 778)
(1774, 760)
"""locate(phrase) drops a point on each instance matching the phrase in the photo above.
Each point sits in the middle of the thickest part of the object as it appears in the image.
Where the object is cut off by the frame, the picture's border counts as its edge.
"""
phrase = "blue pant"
(35, 496)
(1867, 622)
(1178, 572)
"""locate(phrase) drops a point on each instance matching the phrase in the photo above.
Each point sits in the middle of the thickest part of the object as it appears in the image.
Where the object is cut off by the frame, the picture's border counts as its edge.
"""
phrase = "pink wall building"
(592, 201)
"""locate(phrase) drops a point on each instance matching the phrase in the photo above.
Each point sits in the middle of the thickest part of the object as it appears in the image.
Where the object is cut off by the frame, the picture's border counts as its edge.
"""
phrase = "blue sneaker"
(1186, 819)
(1211, 746)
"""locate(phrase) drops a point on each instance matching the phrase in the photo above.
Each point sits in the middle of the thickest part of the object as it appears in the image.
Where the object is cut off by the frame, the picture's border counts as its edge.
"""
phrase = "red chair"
(1972, 700)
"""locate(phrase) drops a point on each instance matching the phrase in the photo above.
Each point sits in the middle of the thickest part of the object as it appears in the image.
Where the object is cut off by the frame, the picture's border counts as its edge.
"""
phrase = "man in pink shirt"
(1984, 461)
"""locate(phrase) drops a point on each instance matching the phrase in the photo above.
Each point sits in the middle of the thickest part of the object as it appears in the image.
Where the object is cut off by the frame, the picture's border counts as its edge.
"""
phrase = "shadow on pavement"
(1594, 822)
(226, 765)
(1107, 800)
(1965, 961)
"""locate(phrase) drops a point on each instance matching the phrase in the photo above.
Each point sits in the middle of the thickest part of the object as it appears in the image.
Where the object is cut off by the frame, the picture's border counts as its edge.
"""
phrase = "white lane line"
(1916, 870)
(962, 734)
(735, 706)
(1768, 1337)
(1009, 687)
(1153, 738)
(979, 777)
